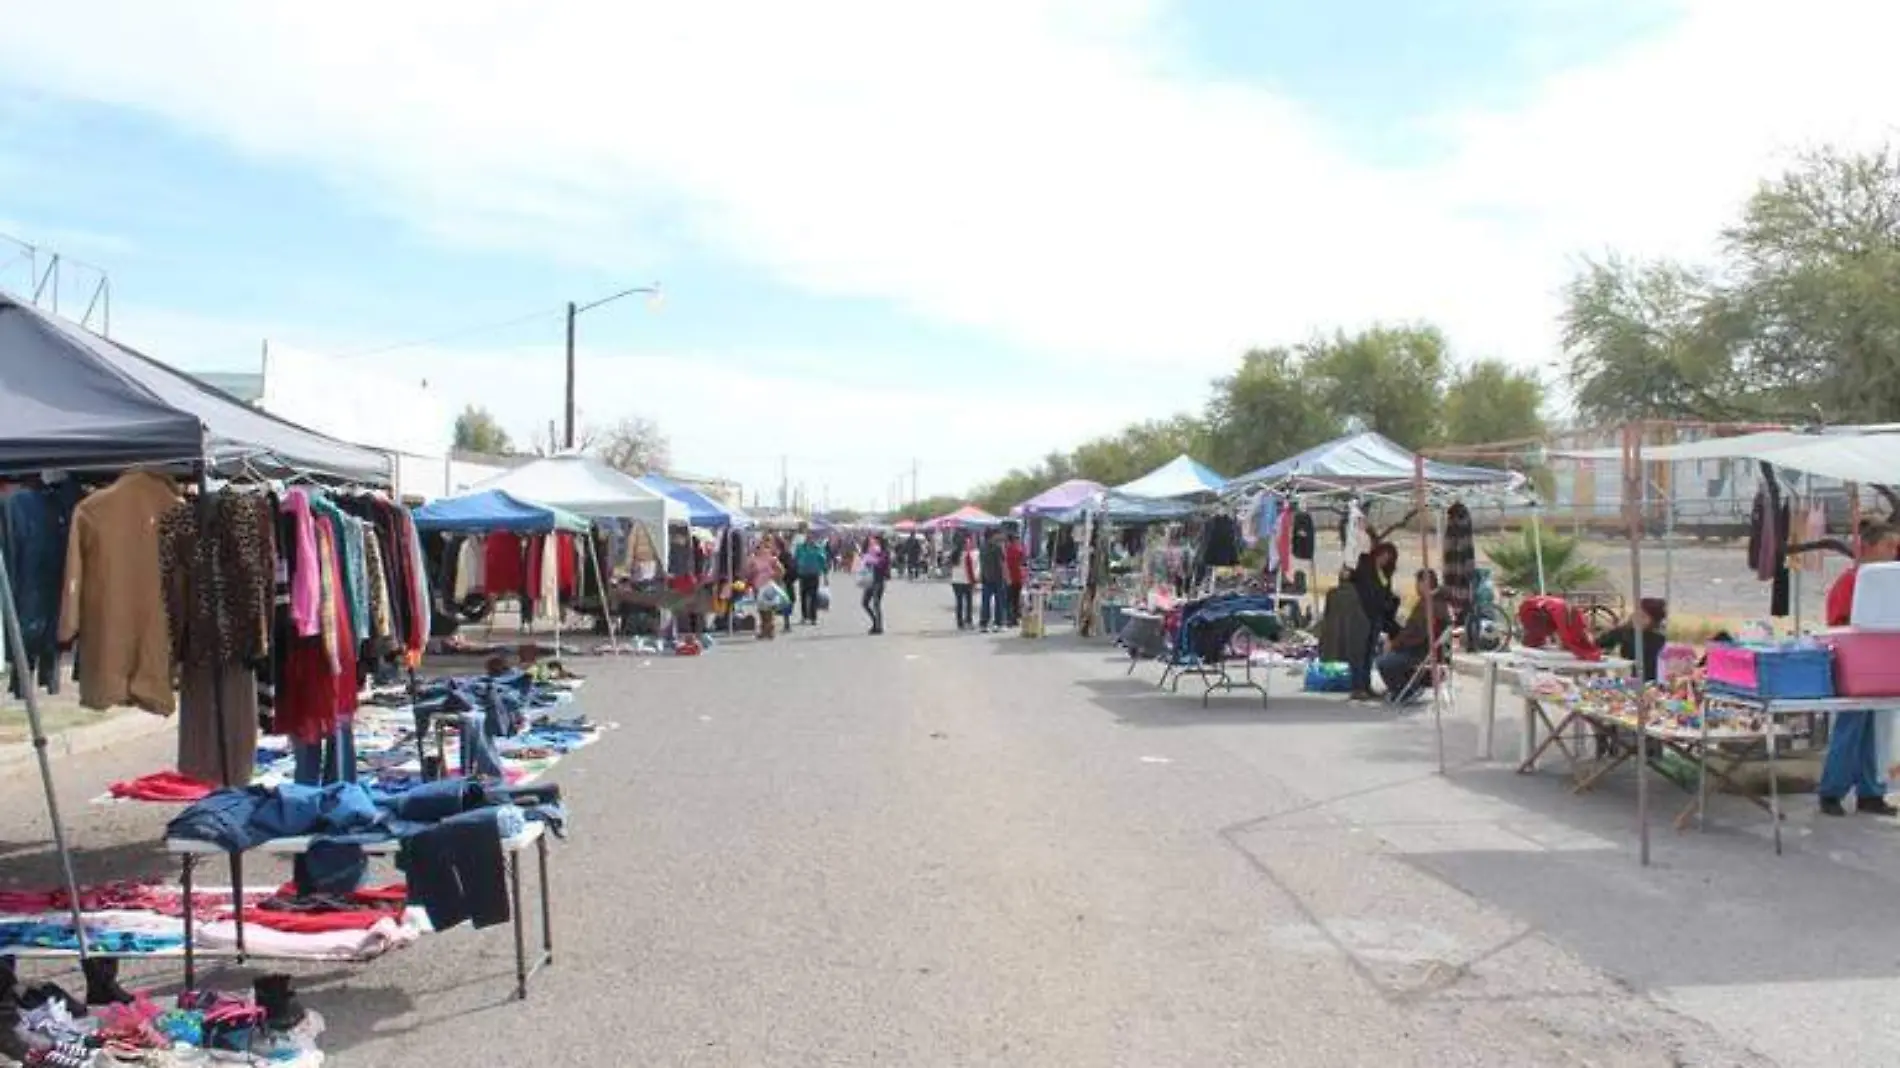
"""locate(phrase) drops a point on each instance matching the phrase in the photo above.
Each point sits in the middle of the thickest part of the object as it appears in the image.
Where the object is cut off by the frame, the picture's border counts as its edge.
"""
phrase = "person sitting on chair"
(1410, 648)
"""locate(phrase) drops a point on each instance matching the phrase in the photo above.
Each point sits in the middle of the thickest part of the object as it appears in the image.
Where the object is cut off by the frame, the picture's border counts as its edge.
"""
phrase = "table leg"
(1488, 712)
(1528, 750)
(521, 947)
(1702, 778)
(185, 886)
(547, 907)
(1774, 786)
(237, 900)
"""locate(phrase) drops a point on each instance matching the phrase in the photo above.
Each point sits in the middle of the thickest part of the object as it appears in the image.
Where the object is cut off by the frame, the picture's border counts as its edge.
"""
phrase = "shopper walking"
(762, 574)
(1015, 574)
(966, 568)
(877, 561)
(994, 573)
(788, 568)
(810, 564)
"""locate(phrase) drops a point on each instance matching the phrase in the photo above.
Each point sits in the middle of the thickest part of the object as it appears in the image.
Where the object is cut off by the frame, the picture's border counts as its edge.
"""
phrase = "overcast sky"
(963, 234)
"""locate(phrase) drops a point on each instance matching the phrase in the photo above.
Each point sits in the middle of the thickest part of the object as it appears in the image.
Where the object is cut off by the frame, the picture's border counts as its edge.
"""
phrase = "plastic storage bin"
(1866, 662)
(1877, 597)
(1771, 671)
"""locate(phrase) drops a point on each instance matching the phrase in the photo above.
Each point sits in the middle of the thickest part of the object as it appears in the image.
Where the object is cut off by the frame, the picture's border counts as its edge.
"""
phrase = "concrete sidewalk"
(70, 729)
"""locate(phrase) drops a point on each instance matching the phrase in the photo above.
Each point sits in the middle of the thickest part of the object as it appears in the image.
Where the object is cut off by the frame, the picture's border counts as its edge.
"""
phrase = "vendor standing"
(1852, 760)
(1372, 581)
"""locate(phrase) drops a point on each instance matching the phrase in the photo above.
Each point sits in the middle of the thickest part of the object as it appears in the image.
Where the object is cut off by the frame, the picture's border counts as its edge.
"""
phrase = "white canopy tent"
(585, 486)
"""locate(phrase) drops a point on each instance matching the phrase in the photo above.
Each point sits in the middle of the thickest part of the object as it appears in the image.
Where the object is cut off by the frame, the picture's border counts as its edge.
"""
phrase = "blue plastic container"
(1790, 673)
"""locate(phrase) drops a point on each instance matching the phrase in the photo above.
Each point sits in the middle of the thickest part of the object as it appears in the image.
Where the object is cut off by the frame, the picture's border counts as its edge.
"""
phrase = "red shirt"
(1840, 598)
(1014, 557)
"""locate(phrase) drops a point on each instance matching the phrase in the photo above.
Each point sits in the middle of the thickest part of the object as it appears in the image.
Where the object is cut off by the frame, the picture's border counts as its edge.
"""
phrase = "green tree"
(1493, 401)
(1391, 377)
(476, 430)
(1646, 341)
(1814, 315)
(1264, 412)
(929, 508)
(1133, 452)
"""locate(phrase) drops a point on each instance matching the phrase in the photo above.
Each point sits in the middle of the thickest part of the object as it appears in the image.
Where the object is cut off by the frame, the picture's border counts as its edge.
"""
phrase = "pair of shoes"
(1831, 806)
(1875, 806)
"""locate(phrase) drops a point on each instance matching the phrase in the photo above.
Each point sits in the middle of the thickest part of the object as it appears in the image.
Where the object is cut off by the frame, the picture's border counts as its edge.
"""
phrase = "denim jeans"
(1396, 669)
(1013, 600)
(966, 607)
(1852, 763)
(874, 603)
(328, 760)
(994, 613)
(808, 597)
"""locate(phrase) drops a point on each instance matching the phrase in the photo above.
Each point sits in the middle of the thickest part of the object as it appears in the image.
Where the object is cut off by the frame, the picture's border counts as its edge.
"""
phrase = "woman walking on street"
(762, 573)
(965, 569)
(877, 559)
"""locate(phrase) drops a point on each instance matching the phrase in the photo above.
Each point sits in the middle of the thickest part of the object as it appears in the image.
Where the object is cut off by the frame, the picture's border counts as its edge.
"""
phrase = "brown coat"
(113, 603)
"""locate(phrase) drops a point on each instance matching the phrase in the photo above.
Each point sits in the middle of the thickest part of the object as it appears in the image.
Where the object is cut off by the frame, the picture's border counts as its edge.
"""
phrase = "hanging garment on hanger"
(1460, 555)
(1303, 535)
(1220, 543)
(1356, 540)
(503, 572)
(468, 568)
(113, 603)
(1266, 523)
(35, 524)
(1283, 541)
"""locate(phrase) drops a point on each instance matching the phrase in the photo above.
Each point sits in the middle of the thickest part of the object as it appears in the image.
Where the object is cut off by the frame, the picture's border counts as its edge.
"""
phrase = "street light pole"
(569, 435)
(573, 310)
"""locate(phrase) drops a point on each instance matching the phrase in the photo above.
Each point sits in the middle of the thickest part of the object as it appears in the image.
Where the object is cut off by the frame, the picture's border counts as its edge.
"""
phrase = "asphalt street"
(932, 848)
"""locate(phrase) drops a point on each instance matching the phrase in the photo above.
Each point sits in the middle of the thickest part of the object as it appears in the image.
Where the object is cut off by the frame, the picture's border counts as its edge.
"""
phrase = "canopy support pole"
(15, 641)
(1428, 609)
(1537, 545)
(1633, 483)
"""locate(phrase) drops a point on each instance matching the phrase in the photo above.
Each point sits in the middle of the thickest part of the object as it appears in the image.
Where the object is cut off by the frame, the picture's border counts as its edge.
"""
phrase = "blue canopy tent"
(493, 511)
(1182, 478)
(701, 510)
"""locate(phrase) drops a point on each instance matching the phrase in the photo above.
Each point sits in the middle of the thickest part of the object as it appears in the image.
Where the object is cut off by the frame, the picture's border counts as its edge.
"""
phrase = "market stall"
(590, 488)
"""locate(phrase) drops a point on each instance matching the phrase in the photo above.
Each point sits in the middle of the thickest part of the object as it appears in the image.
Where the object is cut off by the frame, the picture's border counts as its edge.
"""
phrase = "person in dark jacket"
(1372, 581)
(995, 575)
(1651, 614)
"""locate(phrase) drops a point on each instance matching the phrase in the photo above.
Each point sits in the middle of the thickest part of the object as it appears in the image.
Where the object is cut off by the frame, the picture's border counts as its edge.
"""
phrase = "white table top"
(301, 844)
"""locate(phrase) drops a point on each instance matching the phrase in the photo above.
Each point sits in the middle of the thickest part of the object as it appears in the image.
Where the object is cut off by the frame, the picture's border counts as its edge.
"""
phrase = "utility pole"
(913, 480)
(571, 313)
(784, 484)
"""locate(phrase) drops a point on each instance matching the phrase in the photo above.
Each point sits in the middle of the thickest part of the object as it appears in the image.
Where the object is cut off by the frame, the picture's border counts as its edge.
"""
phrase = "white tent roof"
(585, 486)
(1182, 476)
(1844, 454)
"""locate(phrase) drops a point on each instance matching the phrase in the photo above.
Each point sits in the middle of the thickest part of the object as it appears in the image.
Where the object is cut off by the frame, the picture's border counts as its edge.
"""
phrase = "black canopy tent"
(73, 401)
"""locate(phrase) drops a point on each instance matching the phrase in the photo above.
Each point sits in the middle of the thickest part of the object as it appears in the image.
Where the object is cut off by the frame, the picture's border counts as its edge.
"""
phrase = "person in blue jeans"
(1853, 760)
(993, 570)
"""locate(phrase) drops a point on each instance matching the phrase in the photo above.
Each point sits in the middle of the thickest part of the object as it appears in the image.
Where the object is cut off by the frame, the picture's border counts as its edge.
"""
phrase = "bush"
(1514, 562)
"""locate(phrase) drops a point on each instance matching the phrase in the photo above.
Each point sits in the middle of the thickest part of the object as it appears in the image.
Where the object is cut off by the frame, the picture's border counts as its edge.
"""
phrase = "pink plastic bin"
(1866, 662)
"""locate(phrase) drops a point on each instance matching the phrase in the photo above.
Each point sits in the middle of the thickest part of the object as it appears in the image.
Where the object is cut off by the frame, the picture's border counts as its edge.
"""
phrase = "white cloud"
(1049, 172)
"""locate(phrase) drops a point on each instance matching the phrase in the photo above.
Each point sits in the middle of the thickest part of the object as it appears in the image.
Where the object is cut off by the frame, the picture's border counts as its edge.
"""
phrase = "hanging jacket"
(1460, 555)
(1344, 630)
(1220, 543)
(1303, 535)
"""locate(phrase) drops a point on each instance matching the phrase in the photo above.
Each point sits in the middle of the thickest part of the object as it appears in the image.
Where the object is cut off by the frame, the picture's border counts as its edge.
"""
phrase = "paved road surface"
(942, 849)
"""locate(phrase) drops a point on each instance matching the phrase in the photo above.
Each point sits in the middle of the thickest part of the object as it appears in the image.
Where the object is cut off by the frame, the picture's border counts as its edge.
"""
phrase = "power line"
(453, 334)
